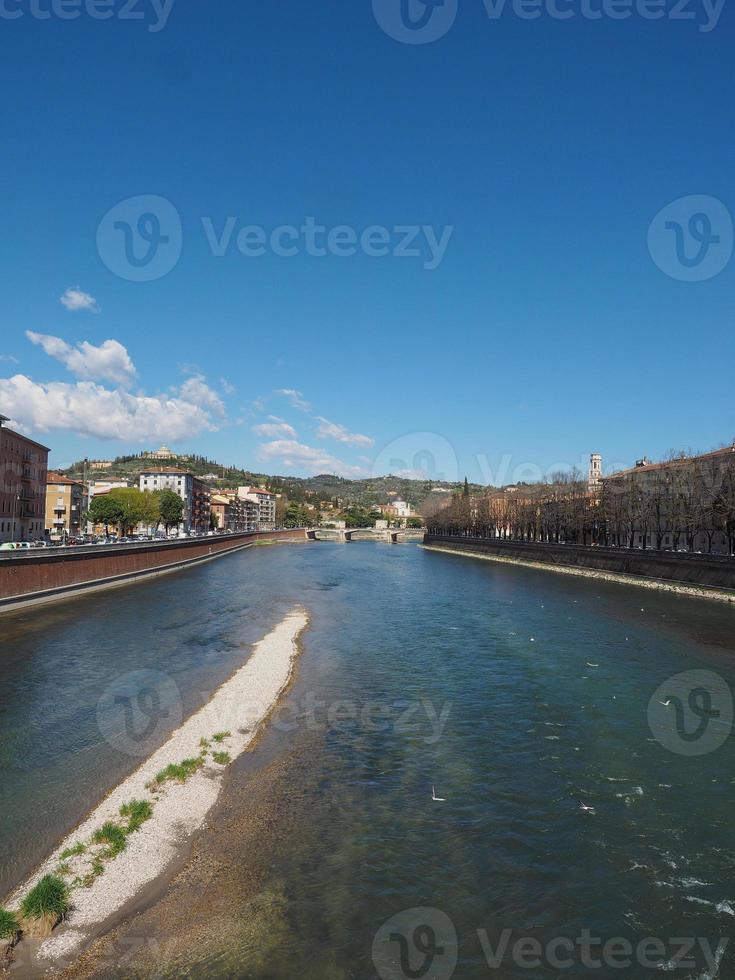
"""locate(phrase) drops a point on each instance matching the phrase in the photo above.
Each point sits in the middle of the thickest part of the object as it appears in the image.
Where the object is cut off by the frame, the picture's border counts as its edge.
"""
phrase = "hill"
(340, 491)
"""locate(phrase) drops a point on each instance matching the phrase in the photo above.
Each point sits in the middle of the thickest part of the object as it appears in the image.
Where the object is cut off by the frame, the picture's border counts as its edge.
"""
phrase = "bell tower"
(595, 473)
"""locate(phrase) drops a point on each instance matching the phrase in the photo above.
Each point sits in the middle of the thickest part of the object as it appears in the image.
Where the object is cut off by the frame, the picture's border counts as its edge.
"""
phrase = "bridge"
(392, 534)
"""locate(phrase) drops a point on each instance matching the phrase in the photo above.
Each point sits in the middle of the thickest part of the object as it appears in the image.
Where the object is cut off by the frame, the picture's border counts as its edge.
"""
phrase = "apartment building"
(194, 493)
(65, 506)
(266, 502)
(23, 467)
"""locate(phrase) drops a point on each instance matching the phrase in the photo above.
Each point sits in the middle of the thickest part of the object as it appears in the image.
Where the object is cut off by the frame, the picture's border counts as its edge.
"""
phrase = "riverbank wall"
(32, 577)
(709, 576)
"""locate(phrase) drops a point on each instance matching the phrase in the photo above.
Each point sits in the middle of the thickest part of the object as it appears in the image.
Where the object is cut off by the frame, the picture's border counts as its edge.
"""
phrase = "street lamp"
(16, 501)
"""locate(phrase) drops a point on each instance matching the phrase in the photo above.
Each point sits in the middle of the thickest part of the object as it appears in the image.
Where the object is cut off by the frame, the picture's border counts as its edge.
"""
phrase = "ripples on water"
(478, 681)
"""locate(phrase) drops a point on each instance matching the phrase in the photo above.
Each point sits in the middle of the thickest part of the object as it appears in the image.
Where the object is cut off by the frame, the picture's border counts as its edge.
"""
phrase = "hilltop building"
(163, 452)
(23, 466)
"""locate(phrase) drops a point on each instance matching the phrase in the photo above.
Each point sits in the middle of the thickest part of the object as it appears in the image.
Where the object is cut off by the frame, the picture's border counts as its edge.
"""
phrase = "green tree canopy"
(170, 507)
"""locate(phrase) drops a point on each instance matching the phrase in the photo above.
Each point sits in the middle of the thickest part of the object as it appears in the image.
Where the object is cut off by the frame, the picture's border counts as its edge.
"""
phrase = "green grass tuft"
(8, 924)
(136, 812)
(113, 835)
(221, 736)
(63, 869)
(49, 897)
(98, 867)
(204, 743)
(221, 758)
(73, 851)
(180, 771)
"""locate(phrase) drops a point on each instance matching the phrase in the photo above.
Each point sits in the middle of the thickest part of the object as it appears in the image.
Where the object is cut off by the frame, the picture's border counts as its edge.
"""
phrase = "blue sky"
(538, 321)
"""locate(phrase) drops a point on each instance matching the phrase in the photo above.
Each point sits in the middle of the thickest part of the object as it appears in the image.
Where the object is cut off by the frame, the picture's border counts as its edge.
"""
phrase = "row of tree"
(681, 503)
(126, 507)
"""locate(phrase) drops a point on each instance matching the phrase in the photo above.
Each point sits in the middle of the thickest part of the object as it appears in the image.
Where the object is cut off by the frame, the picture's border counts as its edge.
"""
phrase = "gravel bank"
(179, 809)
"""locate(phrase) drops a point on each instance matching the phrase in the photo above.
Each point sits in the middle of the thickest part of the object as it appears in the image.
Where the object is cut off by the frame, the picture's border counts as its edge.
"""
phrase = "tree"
(170, 508)
(133, 508)
(150, 513)
(105, 509)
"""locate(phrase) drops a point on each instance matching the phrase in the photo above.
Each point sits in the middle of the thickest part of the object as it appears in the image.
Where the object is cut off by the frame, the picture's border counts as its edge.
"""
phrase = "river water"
(523, 697)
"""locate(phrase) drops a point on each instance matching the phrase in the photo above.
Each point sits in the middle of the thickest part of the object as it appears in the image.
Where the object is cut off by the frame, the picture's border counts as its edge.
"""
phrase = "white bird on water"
(592, 665)
(665, 703)
(435, 798)
(585, 808)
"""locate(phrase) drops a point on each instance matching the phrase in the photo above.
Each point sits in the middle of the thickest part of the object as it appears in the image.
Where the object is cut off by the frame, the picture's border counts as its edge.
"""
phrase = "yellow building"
(64, 507)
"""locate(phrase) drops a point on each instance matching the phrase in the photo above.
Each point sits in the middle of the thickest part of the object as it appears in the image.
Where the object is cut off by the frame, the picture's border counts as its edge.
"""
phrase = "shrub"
(8, 924)
(136, 813)
(113, 835)
(180, 771)
(221, 736)
(49, 897)
(221, 758)
(73, 851)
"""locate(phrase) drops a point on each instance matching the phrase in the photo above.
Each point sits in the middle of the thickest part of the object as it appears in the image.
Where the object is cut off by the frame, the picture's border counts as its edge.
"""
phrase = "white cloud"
(108, 362)
(77, 299)
(332, 430)
(89, 409)
(294, 454)
(197, 391)
(295, 397)
(227, 387)
(275, 427)
(9, 358)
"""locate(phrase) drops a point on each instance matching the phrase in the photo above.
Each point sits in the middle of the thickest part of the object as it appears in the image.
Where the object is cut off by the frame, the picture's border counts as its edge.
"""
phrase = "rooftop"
(667, 463)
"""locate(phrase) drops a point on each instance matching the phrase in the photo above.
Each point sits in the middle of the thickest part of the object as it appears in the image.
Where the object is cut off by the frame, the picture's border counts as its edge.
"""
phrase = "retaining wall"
(45, 575)
(708, 571)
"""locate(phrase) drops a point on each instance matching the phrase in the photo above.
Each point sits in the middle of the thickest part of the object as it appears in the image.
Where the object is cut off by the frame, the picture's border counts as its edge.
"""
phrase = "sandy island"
(179, 809)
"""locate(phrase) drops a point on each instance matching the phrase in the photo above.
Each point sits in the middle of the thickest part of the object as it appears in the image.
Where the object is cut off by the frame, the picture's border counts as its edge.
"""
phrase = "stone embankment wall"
(705, 571)
(45, 575)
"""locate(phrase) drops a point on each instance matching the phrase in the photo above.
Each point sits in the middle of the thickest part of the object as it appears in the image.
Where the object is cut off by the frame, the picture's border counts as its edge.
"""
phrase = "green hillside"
(313, 489)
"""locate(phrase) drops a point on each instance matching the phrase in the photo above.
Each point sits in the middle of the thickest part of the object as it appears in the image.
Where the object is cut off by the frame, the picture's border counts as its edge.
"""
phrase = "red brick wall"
(28, 573)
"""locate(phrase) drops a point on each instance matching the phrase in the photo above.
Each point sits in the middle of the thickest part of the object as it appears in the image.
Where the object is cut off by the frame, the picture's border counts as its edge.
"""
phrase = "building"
(100, 464)
(96, 487)
(245, 512)
(400, 509)
(594, 478)
(65, 507)
(23, 467)
(682, 504)
(194, 493)
(266, 502)
(163, 452)
(223, 512)
(201, 508)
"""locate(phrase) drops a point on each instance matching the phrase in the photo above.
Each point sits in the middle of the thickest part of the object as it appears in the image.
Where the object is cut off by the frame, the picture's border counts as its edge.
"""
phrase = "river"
(528, 700)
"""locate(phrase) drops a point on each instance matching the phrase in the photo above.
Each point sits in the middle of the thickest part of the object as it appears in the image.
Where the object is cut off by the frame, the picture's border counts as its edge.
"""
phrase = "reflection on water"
(520, 695)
